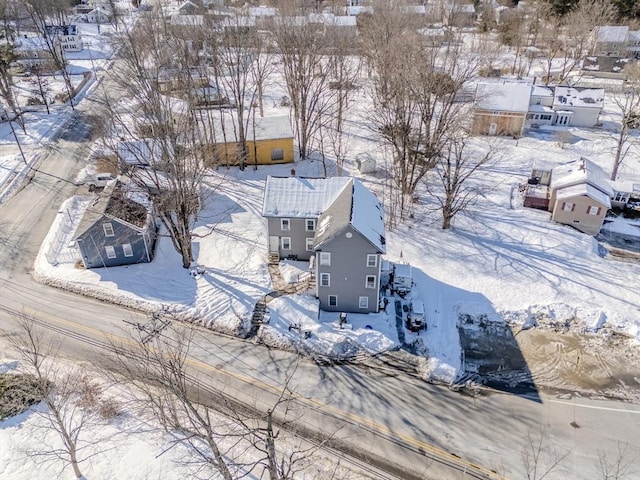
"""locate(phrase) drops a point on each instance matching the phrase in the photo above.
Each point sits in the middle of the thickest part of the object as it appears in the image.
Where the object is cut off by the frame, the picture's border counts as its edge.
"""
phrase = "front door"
(274, 244)
(493, 128)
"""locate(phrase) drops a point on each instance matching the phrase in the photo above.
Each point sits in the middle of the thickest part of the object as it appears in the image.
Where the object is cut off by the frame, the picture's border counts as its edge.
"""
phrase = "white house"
(68, 35)
(579, 107)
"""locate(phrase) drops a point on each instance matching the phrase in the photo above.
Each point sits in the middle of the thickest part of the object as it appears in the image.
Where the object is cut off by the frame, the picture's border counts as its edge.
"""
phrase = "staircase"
(258, 315)
(274, 258)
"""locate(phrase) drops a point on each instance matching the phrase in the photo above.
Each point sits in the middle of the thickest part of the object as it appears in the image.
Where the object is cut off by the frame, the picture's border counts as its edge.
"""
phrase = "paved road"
(378, 413)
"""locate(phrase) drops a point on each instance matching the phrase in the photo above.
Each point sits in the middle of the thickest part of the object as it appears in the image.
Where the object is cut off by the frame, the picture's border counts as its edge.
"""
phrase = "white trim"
(362, 304)
(306, 224)
(324, 276)
(309, 244)
(375, 260)
(111, 251)
(285, 224)
(127, 250)
(108, 230)
(329, 300)
(325, 258)
(284, 240)
(366, 281)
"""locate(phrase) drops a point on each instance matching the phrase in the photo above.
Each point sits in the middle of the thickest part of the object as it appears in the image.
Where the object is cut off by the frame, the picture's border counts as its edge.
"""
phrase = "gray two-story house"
(338, 222)
(115, 230)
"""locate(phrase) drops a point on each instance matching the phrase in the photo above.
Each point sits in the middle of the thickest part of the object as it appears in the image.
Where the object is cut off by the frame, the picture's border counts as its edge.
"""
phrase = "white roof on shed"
(582, 190)
(612, 33)
(579, 97)
(300, 197)
(265, 128)
(506, 97)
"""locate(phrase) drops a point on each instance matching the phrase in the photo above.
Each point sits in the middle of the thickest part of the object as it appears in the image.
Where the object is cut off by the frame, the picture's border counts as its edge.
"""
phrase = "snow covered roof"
(584, 189)
(506, 97)
(540, 109)
(402, 270)
(333, 20)
(626, 186)
(186, 20)
(582, 171)
(266, 128)
(541, 91)
(115, 203)
(300, 197)
(612, 33)
(579, 97)
(356, 206)
(262, 11)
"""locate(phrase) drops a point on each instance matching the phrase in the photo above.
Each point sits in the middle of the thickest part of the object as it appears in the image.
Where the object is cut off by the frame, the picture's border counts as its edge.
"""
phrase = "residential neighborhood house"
(269, 141)
(68, 36)
(577, 193)
(115, 230)
(339, 224)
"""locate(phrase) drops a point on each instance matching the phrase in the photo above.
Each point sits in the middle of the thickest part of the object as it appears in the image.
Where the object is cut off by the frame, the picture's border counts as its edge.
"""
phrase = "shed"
(365, 163)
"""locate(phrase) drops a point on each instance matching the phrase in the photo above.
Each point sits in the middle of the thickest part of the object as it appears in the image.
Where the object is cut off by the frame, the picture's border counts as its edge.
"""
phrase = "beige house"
(576, 193)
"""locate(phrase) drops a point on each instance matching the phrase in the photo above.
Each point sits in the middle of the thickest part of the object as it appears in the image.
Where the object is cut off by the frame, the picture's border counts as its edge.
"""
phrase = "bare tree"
(454, 189)
(539, 457)
(222, 434)
(74, 402)
(617, 468)
(164, 129)
(302, 46)
(43, 86)
(7, 59)
(628, 103)
(51, 13)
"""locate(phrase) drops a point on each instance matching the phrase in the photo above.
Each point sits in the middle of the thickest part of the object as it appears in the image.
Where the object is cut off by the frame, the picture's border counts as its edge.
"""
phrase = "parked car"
(416, 318)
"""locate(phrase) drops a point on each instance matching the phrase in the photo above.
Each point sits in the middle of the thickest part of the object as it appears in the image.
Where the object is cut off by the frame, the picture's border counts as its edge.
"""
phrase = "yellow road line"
(380, 428)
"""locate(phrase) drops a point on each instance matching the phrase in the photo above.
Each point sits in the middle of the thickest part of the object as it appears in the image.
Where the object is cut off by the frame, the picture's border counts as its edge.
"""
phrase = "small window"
(372, 260)
(128, 251)
(285, 243)
(370, 281)
(363, 302)
(567, 206)
(111, 251)
(285, 224)
(333, 300)
(108, 230)
(593, 210)
(325, 280)
(309, 244)
(311, 225)
(277, 154)
(325, 258)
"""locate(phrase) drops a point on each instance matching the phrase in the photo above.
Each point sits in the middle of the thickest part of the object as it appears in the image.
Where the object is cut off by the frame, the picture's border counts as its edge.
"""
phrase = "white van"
(416, 318)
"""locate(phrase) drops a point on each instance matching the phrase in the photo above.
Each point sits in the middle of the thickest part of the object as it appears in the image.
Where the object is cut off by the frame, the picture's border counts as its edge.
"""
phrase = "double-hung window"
(325, 280)
(370, 281)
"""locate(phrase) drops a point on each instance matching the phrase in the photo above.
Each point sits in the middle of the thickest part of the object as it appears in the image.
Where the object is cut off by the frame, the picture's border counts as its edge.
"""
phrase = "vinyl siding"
(297, 233)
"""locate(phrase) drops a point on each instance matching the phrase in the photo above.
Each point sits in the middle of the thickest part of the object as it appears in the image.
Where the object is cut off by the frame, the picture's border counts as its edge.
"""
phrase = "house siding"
(582, 117)
(579, 218)
(507, 123)
(93, 242)
(348, 271)
(258, 151)
(297, 233)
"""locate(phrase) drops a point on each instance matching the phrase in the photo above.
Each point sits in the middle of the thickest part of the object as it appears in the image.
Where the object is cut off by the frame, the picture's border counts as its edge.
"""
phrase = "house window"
(593, 210)
(370, 281)
(621, 197)
(333, 300)
(111, 251)
(128, 251)
(545, 117)
(311, 225)
(325, 280)
(529, 116)
(108, 230)
(277, 154)
(363, 302)
(325, 258)
(285, 243)
(372, 260)
(568, 206)
(285, 224)
(309, 244)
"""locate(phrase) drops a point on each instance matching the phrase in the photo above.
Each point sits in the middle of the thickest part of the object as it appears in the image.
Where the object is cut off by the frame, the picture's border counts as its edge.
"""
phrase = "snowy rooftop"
(623, 226)
(580, 171)
(265, 128)
(300, 197)
(541, 91)
(540, 109)
(579, 97)
(507, 97)
(612, 33)
(187, 20)
(367, 216)
(333, 20)
(626, 186)
(584, 189)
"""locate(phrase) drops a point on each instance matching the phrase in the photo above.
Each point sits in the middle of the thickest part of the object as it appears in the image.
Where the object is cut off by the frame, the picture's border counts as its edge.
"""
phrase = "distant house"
(190, 8)
(458, 14)
(115, 230)
(610, 41)
(339, 223)
(579, 107)
(68, 35)
(500, 109)
(269, 141)
(98, 15)
(34, 52)
(577, 193)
